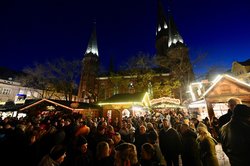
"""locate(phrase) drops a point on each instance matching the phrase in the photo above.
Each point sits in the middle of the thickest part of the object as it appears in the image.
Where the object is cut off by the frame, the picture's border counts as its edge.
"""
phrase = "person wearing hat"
(79, 154)
(235, 136)
(83, 155)
(55, 157)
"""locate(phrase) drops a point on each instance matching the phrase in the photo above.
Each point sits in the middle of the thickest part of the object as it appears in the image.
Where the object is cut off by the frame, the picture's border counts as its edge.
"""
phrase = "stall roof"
(228, 77)
(62, 103)
(128, 98)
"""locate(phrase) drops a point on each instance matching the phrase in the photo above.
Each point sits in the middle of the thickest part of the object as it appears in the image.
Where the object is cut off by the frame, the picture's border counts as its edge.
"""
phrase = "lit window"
(159, 28)
(165, 25)
(131, 85)
(6, 91)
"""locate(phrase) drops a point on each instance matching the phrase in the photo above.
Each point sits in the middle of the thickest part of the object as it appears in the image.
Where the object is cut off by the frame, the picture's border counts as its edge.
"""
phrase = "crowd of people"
(173, 139)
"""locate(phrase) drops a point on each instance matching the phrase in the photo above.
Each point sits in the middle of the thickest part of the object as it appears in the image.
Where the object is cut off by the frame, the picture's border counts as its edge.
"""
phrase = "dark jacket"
(225, 118)
(170, 142)
(190, 153)
(235, 137)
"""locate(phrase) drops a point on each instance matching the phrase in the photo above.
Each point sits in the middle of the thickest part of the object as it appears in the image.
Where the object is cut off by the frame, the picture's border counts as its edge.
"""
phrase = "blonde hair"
(203, 132)
(234, 101)
(126, 152)
(100, 150)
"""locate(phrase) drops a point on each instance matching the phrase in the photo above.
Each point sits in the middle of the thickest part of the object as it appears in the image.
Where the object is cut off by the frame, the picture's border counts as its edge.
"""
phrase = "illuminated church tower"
(87, 90)
(171, 51)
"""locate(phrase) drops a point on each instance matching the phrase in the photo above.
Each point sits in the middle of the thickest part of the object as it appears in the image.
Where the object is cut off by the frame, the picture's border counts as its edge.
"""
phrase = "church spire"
(166, 28)
(162, 27)
(174, 36)
(92, 45)
(87, 89)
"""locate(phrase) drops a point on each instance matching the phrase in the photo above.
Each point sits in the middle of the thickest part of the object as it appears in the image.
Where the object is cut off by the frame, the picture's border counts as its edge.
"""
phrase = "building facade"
(241, 70)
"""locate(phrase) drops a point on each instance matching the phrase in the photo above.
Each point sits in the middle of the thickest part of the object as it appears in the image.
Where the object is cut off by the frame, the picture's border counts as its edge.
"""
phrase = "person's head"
(241, 111)
(110, 129)
(102, 150)
(152, 137)
(203, 132)
(232, 102)
(116, 138)
(142, 129)
(104, 124)
(101, 130)
(126, 154)
(166, 123)
(82, 144)
(111, 144)
(124, 124)
(58, 153)
(184, 128)
(147, 151)
(195, 121)
(150, 126)
(129, 125)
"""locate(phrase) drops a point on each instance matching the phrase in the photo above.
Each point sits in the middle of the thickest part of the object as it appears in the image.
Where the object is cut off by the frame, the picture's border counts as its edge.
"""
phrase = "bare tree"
(37, 77)
(53, 78)
(145, 72)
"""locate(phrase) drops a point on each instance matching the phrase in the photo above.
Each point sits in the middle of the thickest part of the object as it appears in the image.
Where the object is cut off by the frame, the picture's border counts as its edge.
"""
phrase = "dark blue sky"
(42, 30)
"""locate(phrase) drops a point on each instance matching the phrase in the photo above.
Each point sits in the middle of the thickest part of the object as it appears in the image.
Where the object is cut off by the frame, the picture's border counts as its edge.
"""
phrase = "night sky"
(44, 30)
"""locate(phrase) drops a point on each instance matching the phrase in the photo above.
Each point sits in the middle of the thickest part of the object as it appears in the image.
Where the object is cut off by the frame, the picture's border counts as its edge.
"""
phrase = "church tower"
(171, 51)
(87, 90)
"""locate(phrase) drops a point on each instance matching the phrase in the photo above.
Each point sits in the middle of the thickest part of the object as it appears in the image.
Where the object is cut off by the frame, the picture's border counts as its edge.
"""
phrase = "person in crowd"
(99, 136)
(117, 139)
(111, 147)
(140, 139)
(55, 157)
(103, 154)
(124, 131)
(82, 130)
(232, 102)
(215, 128)
(116, 124)
(207, 147)
(190, 153)
(110, 131)
(80, 154)
(170, 143)
(153, 139)
(131, 130)
(151, 129)
(148, 155)
(197, 123)
(235, 136)
(126, 155)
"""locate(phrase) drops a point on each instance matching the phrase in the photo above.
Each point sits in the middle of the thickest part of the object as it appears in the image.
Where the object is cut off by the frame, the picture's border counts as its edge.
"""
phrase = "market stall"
(125, 105)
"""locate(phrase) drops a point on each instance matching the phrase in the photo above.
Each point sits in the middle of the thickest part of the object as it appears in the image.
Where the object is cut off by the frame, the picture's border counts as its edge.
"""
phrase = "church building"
(171, 57)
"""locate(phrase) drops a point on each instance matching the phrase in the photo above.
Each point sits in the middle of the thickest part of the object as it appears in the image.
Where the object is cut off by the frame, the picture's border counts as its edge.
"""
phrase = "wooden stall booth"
(32, 107)
(121, 105)
(224, 88)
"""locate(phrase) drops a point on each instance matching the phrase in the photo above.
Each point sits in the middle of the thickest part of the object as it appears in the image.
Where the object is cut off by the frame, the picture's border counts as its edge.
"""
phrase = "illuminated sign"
(165, 100)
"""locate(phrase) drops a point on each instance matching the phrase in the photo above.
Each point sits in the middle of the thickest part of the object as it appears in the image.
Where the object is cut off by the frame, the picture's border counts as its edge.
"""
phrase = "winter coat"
(235, 140)
(208, 152)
